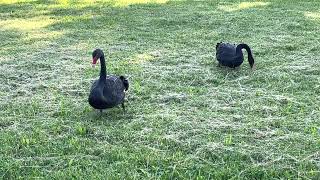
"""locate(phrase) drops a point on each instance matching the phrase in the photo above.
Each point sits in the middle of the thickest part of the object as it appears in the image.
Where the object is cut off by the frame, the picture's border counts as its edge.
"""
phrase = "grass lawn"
(186, 117)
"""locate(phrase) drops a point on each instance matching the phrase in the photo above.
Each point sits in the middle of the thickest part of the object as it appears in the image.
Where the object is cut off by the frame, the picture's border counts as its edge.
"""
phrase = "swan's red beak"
(94, 61)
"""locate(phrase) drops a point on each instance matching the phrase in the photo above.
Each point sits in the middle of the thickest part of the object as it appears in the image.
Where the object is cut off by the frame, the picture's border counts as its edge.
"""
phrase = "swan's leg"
(100, 112)
(122, 105)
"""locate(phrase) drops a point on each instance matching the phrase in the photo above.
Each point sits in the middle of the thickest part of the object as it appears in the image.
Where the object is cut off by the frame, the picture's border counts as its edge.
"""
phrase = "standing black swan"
(231, 55)
(107, 91)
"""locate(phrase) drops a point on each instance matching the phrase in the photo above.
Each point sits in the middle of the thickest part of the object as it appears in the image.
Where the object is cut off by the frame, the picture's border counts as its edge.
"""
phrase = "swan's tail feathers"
(217, 45)
(125, 82)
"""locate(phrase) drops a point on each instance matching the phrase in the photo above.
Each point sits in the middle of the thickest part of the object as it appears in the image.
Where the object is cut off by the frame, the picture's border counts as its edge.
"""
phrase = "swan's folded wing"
(226, 52)
(94, 85)
(113, 90)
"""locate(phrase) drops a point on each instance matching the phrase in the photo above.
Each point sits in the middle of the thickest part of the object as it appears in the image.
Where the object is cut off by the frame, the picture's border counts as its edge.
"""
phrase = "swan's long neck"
(247, 48)
(103, 71)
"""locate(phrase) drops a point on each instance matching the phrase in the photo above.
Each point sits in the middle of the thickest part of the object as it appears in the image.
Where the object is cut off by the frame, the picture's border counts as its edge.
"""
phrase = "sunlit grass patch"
(242, 5)
(312, 15)
(123, 3)
(15, 1)
(26, 25)
(74, 3)
(32, 28)
(115, 3)
(143, 58)
(44, 35)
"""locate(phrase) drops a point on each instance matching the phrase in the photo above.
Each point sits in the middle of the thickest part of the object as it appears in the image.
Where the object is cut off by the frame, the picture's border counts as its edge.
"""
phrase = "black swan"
(231, 55)
(108, 91)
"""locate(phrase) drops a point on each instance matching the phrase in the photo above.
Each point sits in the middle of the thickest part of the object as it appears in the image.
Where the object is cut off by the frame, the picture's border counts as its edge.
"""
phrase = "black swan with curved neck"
(231, 55)
(108, 91)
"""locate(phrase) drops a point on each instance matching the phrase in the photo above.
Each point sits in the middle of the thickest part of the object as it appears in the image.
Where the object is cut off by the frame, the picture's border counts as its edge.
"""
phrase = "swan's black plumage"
(231, 55)
(108, 90)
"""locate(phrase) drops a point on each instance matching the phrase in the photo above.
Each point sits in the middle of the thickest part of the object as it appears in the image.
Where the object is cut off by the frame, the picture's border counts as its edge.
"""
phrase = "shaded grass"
(186, 117)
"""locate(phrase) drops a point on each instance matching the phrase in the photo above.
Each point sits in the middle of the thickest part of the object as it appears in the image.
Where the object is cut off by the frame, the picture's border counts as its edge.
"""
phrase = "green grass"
(186, 117)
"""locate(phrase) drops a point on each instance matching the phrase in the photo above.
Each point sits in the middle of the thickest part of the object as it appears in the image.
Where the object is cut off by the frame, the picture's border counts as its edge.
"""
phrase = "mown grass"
(186, 117)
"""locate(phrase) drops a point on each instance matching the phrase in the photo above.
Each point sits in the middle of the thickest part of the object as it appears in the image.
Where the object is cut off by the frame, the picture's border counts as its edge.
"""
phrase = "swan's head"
(251, 62)
(96, 54)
